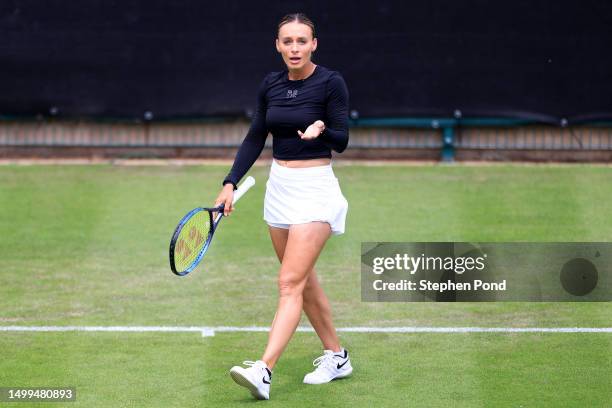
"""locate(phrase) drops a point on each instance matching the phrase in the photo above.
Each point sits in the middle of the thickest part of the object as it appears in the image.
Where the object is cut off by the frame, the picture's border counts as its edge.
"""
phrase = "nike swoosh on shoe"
(341, 365)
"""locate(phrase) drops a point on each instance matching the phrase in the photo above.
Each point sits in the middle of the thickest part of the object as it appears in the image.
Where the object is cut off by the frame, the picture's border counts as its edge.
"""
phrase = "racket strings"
(191, 240)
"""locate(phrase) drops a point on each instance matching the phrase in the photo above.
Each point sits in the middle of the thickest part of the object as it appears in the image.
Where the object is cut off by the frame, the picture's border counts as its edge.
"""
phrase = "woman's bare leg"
(304, 244)
(318, 310)
(315, 303)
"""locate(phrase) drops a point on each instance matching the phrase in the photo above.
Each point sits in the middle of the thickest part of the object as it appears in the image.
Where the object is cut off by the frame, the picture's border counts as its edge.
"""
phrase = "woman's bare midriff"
(304, 163)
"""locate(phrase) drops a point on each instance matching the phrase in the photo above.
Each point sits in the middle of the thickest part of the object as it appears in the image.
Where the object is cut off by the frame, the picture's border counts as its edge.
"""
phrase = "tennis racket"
(194, 233)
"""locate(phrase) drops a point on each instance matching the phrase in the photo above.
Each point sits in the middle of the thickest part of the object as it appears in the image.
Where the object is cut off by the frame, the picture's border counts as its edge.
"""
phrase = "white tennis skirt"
(302, 195)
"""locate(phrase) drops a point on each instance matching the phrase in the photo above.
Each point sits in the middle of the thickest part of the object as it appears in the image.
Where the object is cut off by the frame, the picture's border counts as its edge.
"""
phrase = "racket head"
(192, 238)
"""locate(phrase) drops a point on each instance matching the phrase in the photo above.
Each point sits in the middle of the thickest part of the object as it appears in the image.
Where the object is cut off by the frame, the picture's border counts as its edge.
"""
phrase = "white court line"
(209, 331)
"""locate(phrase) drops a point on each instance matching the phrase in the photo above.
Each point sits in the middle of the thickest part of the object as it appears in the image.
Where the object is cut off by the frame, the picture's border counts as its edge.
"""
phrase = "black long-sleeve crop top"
(284, 107)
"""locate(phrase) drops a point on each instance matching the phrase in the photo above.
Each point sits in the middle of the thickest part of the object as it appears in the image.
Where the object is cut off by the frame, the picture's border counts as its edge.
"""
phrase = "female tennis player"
(305, 107)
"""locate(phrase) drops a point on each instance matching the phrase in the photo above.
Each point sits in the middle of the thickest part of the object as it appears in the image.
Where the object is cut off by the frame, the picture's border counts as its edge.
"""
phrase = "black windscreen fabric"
(542, 60)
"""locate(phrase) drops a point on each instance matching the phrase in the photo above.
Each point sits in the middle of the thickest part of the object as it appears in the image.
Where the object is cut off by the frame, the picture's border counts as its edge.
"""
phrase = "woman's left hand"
(313, 131)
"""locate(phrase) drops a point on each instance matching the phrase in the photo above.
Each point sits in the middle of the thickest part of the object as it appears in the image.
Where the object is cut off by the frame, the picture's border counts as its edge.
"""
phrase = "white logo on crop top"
(292, 93)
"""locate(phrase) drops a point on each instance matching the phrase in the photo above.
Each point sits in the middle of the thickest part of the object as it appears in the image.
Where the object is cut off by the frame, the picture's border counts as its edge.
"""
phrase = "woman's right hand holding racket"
(226, 197)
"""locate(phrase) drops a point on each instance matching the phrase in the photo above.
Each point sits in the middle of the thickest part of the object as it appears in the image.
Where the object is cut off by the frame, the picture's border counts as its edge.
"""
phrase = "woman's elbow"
(342, 145)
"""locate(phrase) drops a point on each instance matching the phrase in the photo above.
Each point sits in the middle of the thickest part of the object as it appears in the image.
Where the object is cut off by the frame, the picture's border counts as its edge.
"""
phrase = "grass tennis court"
(87, 245)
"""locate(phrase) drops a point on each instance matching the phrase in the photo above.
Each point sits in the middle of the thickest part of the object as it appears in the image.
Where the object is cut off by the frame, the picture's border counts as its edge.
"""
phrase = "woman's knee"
(290, 285)
(308, 295)
(311, 289)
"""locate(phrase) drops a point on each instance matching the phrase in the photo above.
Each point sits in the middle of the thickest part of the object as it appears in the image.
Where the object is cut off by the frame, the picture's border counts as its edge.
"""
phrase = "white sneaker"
(257, 378)
(329, 366)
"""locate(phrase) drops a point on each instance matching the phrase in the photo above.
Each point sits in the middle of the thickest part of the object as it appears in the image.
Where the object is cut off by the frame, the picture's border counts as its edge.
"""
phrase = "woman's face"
(295, 44)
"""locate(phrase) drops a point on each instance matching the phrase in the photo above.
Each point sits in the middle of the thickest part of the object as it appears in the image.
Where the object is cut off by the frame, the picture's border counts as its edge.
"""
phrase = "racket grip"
(243, 188)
